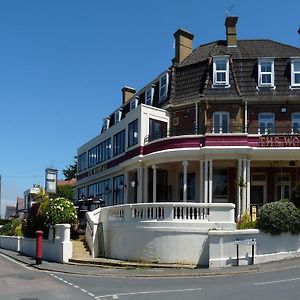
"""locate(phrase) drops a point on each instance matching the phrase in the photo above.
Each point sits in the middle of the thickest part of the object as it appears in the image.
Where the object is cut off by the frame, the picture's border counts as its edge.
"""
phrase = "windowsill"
(266, 87)
(294, 87)
(221, 86)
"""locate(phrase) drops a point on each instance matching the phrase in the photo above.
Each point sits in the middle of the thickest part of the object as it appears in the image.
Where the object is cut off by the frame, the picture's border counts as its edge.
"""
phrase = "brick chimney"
(231, 35)
(183, 45)
(127, 93)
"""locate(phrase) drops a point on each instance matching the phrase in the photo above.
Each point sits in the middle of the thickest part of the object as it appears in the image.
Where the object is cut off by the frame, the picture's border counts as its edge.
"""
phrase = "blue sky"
(63, 64)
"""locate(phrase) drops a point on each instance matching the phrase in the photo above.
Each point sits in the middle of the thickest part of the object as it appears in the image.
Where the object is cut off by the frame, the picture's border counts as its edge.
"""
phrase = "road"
(19, 282)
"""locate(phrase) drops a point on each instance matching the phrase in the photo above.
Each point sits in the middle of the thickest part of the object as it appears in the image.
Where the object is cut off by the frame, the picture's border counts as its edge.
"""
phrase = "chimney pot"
(183, 45)
(231, 34)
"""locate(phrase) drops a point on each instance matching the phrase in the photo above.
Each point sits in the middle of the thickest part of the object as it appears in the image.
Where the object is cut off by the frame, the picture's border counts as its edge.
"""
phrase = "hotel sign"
(279, 141)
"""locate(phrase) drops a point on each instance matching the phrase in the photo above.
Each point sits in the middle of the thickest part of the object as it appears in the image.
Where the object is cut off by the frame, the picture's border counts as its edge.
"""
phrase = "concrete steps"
(80, 249)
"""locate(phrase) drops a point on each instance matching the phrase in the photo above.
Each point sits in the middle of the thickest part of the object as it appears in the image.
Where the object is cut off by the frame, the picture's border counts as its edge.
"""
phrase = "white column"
(185, 165)
(244, 191)
(246, 117)
(145, 193)
(201, 182)
(248, 185)
(238, 202)
(205, 181)
(154, 183)
(139, 184)
(210, 182)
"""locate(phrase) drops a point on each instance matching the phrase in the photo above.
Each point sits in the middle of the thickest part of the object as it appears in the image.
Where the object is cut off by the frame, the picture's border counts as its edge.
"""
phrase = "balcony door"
(266, 123)
(220, 122)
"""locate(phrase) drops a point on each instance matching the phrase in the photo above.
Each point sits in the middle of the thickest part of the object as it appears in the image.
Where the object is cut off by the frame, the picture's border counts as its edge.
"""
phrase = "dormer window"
(106, 122)
(221, 71)
(266, 73)
(295, 72)
(163, 86)
(149, 96)
(134, 103)
(118, 115)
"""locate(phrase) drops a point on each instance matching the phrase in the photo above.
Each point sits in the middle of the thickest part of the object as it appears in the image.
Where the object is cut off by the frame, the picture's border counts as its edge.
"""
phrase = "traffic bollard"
(39, 247)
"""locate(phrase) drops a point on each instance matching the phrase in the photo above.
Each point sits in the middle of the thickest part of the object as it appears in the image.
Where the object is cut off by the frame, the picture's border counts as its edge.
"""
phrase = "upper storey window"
(163, 86)
(221, 71)
(149, 96)
(106, 122)
(118, 115)
(134, 103)
(266, 73)
(295, 72)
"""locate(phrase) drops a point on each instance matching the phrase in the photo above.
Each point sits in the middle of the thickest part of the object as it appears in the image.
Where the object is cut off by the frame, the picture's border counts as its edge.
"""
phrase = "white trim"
(261, 73)
(217, 83)
(118, 115)
(293, 73)
(150, 100)
(163, 96)
(134, 103)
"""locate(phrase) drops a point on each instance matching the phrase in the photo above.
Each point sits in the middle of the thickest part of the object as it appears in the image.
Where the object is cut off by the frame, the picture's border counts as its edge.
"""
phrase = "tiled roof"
(246, 49)
(66, 182)
(193, 79)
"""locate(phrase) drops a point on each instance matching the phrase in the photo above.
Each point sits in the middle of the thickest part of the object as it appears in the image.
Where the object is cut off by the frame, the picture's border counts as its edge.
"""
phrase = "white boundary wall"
(157, 232)
(222, 250)
(58, 248)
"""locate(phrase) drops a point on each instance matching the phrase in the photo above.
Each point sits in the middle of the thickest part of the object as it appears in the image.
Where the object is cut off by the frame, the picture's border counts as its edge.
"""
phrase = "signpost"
(50, 180)
(251, 242)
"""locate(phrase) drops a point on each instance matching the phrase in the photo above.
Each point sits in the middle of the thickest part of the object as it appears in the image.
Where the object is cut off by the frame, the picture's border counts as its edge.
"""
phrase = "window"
(266, 73)
(157, 129)
(221, 71)
(118, 184)
(119, 142)
(266, 123)
(81, 193)
(295, 72)
(282, 186)
(118, 115)
(220, 122)
(296, 123)
(99, 153)
(220, 183)
(82, 162)
(163, 86)
(149, 96)
(106, 122)
(191, 187)
(133, 133)
(134, 103)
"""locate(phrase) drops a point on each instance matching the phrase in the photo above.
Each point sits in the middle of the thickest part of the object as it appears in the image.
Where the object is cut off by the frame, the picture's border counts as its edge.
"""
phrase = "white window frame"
(134, 103)
(218, 128)
(106, 122)
(163, 96)
(150, 100)
(216, 82)
(261, 73)
(266, 127)
(118, 115)
(293, 72)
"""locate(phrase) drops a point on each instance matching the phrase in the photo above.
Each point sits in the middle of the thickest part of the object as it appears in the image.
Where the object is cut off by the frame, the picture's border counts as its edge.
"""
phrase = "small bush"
(12, 228)
(278, 217)
(245, 222)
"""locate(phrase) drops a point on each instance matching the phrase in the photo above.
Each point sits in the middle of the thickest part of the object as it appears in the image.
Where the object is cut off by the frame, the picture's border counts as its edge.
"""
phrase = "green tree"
(70, 170)
(64, 191)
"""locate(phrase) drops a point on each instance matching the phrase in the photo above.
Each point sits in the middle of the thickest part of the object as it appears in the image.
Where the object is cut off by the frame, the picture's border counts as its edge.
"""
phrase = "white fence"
(160, 232)
(57, 248)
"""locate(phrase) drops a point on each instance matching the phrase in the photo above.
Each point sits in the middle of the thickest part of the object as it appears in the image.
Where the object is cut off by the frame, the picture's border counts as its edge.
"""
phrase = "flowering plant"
(59, 211)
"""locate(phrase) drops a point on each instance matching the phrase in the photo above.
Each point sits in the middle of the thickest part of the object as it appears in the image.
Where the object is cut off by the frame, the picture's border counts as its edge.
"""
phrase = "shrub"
(58, 211)
(245, 222)
(278, 217)
(34, 222)
(12, 228)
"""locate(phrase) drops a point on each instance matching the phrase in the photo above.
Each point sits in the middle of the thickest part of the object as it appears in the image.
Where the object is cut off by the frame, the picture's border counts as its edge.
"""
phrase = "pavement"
(115, 268)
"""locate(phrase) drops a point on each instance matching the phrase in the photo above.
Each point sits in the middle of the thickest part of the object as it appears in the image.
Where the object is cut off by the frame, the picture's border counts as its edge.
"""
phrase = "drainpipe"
(246, 117)
(196, 118)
